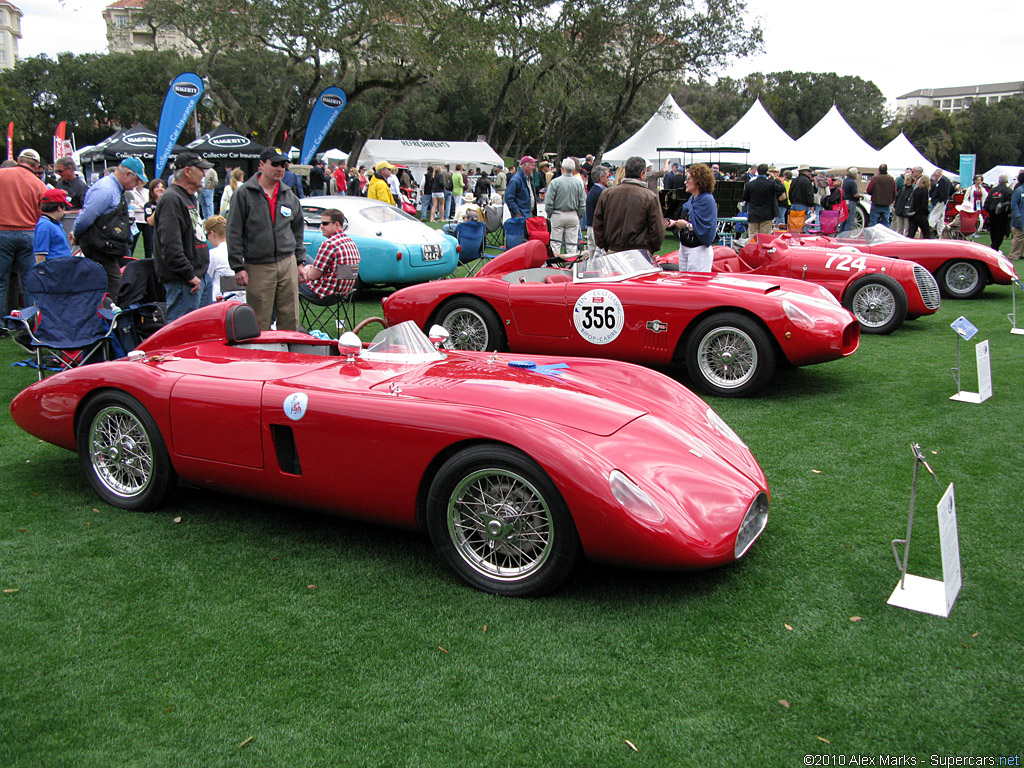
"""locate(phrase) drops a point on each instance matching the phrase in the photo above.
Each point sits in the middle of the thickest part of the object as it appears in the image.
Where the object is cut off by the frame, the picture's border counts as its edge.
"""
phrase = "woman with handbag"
(698, 230)
(998, 208)
(917, 210)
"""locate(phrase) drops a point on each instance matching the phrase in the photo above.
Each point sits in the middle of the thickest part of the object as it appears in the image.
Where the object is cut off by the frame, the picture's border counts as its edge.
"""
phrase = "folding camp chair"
(965, 226)
(337, 307)
(65, 323)
(470, 235)
(515, 231)
(495, 232)
(829, 222)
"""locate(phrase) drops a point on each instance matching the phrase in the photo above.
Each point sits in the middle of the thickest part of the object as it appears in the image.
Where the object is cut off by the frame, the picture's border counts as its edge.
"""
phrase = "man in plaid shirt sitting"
(337, 249)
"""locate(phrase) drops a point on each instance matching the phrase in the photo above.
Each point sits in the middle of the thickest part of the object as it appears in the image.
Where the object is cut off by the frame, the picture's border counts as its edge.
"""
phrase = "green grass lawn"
(227, 632)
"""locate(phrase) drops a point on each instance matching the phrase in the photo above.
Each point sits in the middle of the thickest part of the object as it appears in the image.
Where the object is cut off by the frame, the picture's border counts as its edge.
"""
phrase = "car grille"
(927, 286)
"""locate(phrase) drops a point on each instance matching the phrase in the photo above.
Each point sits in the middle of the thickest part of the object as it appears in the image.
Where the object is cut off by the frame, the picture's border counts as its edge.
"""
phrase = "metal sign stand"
(914, 592)
(1013, 317)
(966, 330)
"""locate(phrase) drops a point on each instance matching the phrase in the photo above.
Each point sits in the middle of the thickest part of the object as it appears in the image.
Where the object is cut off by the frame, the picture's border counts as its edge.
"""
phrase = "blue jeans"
(180, 301)
(851, 207)
(447, 212)
(206, 203)
(879, 215)
(15, 250)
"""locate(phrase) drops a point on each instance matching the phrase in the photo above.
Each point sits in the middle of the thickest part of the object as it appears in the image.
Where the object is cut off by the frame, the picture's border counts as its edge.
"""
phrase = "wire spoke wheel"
(122, 454)
(500, 524)
(727, 357)
(962, 279)
(468, 330)
(874, 305)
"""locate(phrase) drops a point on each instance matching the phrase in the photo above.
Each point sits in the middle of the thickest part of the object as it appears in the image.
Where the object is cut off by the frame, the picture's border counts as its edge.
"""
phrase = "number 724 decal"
(844, 262)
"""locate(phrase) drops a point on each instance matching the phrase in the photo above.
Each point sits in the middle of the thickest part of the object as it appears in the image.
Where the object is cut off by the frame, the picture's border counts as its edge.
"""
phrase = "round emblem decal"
(295, 405)
(598, 316)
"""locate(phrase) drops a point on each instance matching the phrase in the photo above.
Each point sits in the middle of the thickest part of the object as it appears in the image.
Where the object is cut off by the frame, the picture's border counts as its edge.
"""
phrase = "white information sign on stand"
(928, 595)
(984, 360)
(1013, 316)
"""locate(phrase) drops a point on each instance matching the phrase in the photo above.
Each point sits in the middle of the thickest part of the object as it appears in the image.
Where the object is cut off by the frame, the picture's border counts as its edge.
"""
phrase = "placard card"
(916, 593)
(964, 327)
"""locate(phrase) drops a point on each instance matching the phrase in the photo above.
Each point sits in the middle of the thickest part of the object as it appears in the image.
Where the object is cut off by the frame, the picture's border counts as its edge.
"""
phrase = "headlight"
(636, 502)
(753, 523)
(1006, 265)
(719, 424)
(827, 296)
(797, 316)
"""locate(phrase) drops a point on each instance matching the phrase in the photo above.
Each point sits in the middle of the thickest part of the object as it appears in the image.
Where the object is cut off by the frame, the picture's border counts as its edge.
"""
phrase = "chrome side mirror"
(438, 336)
(349, 345)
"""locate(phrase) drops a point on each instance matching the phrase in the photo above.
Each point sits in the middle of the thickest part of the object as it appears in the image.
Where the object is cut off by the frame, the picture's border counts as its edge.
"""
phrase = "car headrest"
(536, 254)
(240, 323)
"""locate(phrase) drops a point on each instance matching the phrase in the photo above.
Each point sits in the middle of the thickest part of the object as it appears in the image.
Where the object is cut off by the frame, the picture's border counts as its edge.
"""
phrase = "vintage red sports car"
(730, 330)
(962, 268)
(880, 292)
(513, 465)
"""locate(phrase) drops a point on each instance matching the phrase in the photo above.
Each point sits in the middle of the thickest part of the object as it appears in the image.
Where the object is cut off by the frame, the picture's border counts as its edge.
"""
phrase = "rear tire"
(473, 325)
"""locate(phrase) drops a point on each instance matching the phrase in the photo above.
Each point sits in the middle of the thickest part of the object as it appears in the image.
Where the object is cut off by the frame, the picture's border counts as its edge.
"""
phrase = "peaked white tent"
(417, 155)
(991, 176)
(767, 141)
(668, 127)
(832, 142)
(900, 154)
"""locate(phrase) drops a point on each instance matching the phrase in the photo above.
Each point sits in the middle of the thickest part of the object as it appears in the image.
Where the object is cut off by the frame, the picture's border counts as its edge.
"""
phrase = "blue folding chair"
(65, 323)
(470, 235)
(515, 231)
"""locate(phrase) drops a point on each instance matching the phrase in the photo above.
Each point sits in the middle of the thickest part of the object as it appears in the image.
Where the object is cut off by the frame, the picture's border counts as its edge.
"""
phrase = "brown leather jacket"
(627, 216)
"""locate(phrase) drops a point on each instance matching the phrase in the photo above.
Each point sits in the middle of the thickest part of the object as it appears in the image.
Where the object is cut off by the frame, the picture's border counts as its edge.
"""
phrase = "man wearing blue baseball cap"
(102, 229)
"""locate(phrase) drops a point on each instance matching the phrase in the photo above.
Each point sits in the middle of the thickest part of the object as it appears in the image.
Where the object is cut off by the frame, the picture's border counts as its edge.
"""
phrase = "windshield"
(605, 267)
(385, 214)
(878, 234)
(402, 343)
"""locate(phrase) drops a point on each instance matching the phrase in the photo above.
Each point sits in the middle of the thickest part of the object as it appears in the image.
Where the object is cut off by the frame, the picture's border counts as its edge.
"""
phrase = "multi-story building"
(951, 100)
(10, 33)
(127, 32)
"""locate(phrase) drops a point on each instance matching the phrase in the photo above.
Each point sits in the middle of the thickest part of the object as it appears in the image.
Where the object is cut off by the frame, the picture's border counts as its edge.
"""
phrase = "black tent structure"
(137, 141)
(226, 144)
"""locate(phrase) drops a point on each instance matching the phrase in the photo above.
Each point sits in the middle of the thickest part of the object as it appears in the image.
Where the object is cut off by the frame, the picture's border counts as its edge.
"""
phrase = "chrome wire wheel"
(468, 330)
(962, 278)
(121, 452)
(874, 305)
(500, 524)
(727, 357)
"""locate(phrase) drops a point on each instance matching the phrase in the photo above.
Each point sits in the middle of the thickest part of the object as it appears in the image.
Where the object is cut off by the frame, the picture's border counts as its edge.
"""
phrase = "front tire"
(878, 302)
(730, 355)
(499, 521)
(961, 279)
(123, 453)
(473, 325)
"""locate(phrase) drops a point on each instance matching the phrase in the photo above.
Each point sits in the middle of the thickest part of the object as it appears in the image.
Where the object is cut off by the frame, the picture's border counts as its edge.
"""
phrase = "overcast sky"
(804, 38)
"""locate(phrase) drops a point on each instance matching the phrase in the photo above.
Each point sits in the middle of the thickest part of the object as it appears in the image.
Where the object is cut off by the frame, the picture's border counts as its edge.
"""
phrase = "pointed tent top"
(669, 126)
(832, 142)
(900, 154)
(768, 142)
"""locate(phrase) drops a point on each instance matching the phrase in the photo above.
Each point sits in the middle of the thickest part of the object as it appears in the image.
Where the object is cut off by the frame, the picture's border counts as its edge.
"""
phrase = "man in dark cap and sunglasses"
(265, 242)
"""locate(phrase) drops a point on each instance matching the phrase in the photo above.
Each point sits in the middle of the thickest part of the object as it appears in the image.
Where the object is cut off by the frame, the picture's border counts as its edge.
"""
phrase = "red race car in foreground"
(880, 292)
(729, 329)
(514, 466)
(962, 268)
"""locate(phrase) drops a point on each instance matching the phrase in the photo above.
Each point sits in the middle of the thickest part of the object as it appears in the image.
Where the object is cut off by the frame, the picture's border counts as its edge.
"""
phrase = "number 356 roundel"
(598, 316)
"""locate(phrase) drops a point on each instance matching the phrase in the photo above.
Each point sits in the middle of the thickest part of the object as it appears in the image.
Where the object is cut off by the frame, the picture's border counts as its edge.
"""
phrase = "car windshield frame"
(377, 215)
(402, 343)
(603, 267)
(875, 236)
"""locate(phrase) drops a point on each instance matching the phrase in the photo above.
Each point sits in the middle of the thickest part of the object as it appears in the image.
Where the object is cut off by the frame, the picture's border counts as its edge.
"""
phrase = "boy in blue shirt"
(51, 241)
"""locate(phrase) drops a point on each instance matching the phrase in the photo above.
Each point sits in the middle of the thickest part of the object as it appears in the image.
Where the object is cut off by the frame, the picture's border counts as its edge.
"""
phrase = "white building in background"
(10, 33)
(126, 32)
(951, 100)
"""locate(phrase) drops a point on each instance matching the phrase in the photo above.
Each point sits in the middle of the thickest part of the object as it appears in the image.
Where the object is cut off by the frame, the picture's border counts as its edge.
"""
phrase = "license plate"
(432, 252)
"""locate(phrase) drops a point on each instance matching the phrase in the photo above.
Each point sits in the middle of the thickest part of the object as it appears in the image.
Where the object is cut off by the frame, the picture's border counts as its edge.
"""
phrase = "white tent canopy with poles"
(832, 142)
(669, 126)
(767, 141)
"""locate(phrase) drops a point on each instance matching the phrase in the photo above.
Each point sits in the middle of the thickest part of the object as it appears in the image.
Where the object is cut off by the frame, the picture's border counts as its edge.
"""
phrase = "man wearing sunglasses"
(336, 250)
(265, 243)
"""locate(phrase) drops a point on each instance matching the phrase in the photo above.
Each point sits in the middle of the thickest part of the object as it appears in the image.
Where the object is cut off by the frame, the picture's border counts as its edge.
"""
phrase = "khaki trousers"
(1017, 248)
(761, 227)
(274, 287)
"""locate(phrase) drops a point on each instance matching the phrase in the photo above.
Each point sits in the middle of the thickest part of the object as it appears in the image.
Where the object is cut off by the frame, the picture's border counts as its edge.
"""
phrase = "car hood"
(539, 392)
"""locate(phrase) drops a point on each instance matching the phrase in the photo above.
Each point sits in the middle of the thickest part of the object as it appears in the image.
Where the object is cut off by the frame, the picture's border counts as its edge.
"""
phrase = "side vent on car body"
(928, 286)
(284, 446)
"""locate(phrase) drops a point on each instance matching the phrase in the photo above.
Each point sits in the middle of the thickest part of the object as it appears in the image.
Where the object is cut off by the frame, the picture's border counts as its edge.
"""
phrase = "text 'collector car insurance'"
(598, 316)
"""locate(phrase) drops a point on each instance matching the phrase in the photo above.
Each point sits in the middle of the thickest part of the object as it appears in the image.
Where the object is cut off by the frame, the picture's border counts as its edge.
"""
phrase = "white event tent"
(900, 154)
(417, 155)
(668, 127)
(767, 141)
(991, 176)
(832, 142)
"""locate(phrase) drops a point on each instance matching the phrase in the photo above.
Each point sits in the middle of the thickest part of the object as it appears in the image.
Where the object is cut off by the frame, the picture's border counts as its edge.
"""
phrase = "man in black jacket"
(182, 255)
(761, 194)
(265, 243)
(938, 196)
(801, 191)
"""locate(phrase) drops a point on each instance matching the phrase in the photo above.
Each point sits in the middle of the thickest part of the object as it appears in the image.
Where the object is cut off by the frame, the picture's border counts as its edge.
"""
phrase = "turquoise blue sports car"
(394, 247)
